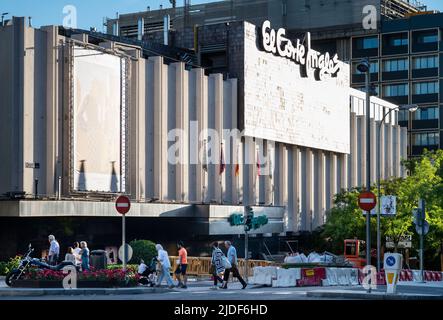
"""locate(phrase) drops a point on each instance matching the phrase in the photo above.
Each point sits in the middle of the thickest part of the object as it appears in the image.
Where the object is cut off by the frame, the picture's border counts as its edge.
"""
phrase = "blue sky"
(90, 13)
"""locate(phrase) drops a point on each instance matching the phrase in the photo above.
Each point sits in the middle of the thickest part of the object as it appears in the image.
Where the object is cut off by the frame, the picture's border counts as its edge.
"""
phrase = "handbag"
(226, 263)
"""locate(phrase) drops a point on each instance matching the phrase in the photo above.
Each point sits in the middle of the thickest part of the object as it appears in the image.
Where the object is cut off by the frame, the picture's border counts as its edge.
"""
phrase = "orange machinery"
(355, 252)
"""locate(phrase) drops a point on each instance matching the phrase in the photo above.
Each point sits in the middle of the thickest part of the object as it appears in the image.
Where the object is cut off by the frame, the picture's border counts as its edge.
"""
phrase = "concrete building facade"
(37, 126)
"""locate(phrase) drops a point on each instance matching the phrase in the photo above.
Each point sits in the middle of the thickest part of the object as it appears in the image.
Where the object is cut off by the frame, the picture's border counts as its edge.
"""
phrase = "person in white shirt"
(69, 257)
(165, 266)
(76, 252)
(54, 250)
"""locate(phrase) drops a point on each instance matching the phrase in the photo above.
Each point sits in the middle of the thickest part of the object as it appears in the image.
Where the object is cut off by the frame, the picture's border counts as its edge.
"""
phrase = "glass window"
(395, 65)
(425, 62)
(401, 40)
(426, 139)
(367, 43)
(428, 113)
(395, 90)
(425, 87)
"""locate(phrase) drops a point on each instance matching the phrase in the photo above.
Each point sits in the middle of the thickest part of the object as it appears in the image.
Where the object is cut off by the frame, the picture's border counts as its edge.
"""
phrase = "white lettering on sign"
(322, 65)
(365, 200)
(122, 205)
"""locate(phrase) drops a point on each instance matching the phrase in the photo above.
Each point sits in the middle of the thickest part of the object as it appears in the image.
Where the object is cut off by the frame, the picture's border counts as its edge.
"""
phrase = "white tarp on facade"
(97, 121)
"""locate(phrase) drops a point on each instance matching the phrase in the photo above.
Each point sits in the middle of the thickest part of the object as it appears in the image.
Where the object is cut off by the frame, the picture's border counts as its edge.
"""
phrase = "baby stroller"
(150, 276)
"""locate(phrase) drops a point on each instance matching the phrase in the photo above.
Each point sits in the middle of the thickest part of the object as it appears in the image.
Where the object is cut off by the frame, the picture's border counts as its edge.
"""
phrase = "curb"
(73, 292)
(371, 296)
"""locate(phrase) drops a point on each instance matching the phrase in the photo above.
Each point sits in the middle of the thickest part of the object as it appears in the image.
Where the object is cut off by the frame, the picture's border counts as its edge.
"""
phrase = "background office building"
(405, 50)
(85, 119)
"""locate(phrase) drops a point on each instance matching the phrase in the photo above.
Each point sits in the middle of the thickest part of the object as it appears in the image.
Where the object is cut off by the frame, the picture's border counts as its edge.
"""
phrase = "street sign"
(388, 205)
(123, 204)
(129, 253)
(367, 201)
(32, 165)
(404, 242)
(425, 228)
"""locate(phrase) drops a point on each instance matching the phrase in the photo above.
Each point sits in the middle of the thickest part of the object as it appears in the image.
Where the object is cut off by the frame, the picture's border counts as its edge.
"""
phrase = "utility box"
(98, 259)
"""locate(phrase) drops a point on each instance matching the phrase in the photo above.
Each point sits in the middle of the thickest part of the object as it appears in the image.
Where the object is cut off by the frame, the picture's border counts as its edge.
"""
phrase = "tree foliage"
(424, 181)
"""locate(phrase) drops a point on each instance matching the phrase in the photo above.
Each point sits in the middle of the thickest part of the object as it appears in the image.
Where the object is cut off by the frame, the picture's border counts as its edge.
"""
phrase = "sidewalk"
(377, 295)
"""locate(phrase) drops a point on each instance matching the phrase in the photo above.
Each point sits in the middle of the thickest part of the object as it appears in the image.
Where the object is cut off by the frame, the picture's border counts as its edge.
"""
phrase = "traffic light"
(249, 216)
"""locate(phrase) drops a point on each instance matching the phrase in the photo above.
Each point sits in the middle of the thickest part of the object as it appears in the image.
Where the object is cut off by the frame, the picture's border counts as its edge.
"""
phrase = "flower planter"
(59, 284)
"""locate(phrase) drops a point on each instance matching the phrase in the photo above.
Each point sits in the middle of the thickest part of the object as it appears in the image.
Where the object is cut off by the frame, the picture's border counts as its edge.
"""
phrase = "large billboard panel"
(97, 142)
(293, 94)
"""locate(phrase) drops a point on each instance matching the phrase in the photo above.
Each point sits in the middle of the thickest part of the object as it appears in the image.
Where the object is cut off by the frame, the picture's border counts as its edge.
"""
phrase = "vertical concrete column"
(293, 189)
(215, 107)
(353, 157)
(319, 189)
(160, 132)
(137, 136)
(333, 181)
(257, 178)
(285, 176)
(373, 133)
(344, 170)
(52, 110)
(361, 150)
(231, 139)
(200, 96)
(308, 188)
(182, 124)
(389, 153)
(404, 148)
(397, 151)
(248, 171)
(266, 196)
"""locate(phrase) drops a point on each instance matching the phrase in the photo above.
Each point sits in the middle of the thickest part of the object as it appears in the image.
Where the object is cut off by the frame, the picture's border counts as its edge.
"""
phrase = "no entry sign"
(123, 204)
(367, 201)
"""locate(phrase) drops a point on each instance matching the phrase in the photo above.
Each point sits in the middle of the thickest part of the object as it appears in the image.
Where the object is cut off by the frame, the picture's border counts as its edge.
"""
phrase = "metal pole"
(124, 242)
(368, 171)
(246, 255)
(379, 197)
(422, 218)
(36, 189)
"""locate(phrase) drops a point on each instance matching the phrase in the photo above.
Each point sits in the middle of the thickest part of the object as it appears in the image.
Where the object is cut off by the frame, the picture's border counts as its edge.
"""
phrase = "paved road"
(202, 291)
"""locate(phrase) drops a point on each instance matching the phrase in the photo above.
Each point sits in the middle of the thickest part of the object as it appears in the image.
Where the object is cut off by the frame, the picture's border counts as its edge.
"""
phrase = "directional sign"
(419, 228)
(123, 204)
(390, 261)
(367, 201)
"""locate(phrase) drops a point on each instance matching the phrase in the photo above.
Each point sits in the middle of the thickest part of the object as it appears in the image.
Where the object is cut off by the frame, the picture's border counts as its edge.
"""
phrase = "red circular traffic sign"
(122, 204)
(367, 201)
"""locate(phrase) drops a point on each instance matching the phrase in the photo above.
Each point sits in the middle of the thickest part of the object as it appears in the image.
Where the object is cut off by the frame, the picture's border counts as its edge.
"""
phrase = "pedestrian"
(182, 265)
(54, 250)
(76, 251)
(84, 256)
(165, 267)
(217, 265)
(69, 256)
(142, 268)
(232, 258)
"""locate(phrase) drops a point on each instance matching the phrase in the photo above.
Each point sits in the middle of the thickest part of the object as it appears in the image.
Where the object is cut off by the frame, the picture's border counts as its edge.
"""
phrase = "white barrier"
(341, 277)
(287, 277)
(263, 276)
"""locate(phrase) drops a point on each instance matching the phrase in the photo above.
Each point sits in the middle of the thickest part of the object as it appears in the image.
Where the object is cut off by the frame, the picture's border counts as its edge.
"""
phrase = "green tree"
(142, 249)
(424, 181)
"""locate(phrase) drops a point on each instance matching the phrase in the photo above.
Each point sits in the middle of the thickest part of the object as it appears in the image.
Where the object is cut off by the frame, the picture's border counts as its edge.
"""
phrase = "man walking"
(232, 258)
(54, 250)
(182, 265)
(166, 265)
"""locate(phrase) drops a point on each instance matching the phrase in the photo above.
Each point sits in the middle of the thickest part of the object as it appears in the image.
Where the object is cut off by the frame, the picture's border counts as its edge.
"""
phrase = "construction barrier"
(311, 277)
(263, 276)
(199, 266)
(287, 277)
(341, 277)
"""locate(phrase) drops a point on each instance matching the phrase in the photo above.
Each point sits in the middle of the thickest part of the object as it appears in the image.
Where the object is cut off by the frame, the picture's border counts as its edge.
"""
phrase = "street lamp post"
(411, 108)
(364, 67)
